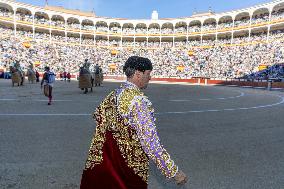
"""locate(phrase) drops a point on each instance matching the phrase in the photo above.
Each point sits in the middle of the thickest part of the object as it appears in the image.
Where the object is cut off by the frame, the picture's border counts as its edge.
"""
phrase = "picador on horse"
(98, 75)
(86, 79)
(31, 74)
(17, 74)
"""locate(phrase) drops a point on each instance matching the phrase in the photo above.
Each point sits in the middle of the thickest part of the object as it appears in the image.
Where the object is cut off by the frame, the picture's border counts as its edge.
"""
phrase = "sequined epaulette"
(126, 97)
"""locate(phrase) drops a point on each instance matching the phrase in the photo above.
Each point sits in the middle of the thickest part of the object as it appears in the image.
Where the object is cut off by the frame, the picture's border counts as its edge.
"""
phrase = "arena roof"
(69, 11)
(204, 15)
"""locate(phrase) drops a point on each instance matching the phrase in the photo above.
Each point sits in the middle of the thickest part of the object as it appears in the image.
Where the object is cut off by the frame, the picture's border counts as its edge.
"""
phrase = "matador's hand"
(180, 178)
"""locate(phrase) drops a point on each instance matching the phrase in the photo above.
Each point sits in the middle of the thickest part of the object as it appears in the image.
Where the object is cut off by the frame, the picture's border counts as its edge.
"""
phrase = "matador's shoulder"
(107, 103)
(127, 97)
(109, 99)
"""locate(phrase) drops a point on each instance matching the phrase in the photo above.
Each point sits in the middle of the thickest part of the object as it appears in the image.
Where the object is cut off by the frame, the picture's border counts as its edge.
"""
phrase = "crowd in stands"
(64, 53)
(180, 30)
(24, 17)
(40, 19)
(194, 28)
(225, 25)
(167, 31)
(73, 26)
(5, 12)
(154, 30)
(277, 14)
(128, 31)
(219, 61)
(115, 30)
(141, 30)
(208, 27)
(275, 73)
(88, 41)
(57, 23)
(243, 22)
(88, 27)
(260, 18)
(102, 29)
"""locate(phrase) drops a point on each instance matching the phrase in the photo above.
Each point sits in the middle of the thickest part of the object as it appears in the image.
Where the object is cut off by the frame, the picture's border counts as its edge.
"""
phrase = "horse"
(98, 77)
(31, 76)
(86, 80)
(17, 76)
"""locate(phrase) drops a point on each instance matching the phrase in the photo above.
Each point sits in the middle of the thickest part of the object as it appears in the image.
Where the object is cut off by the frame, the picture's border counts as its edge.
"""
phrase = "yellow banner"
(114, 52)
(37, 63)
(112, 66)
(262, 67)
(180, 68)
(190, 53)
(26, 44)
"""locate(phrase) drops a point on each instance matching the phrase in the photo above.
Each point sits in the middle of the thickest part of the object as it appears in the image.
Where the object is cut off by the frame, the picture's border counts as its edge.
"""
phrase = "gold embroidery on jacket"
(108, 119)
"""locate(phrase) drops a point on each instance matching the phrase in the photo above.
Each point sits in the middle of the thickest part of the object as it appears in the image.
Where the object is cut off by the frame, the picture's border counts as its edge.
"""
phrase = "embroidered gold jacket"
(129, 115)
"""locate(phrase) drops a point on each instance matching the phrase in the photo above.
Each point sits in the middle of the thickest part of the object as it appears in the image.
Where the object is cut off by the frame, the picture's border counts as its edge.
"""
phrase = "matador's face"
(145, 78)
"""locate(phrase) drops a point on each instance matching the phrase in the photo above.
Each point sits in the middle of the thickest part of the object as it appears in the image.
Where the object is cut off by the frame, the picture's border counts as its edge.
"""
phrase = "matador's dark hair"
(136, 63)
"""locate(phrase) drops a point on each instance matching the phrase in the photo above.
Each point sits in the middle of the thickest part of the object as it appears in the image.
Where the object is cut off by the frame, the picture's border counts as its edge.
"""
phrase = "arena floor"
(222, 137)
